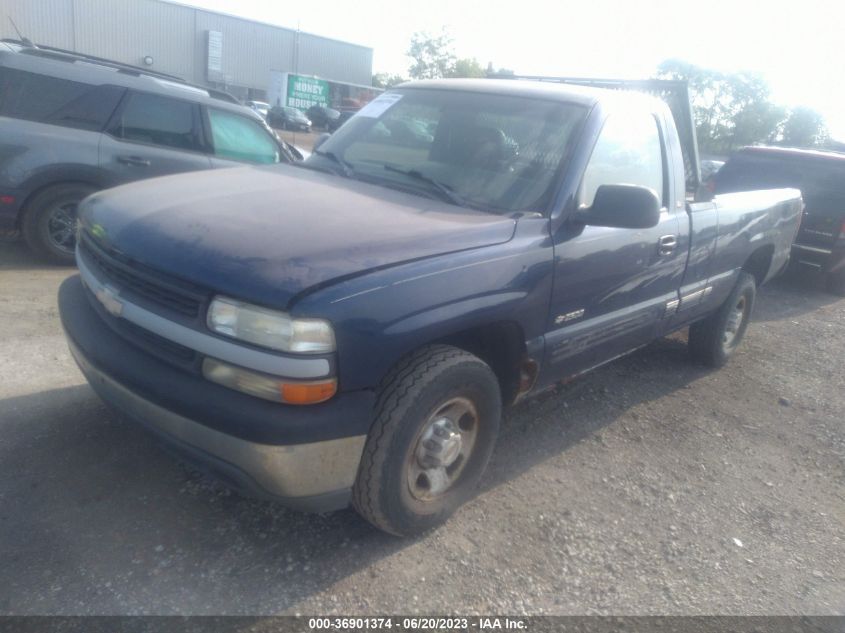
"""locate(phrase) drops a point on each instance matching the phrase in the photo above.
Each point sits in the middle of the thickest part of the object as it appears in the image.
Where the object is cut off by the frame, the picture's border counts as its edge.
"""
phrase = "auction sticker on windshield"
(378, 106)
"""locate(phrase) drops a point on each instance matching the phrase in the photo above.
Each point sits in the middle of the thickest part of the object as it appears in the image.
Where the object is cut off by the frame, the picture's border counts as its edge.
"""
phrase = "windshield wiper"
(348, 170)
(445, 191)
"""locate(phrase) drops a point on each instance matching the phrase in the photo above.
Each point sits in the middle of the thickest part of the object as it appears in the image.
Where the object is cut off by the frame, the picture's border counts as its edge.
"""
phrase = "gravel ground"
(651, 486)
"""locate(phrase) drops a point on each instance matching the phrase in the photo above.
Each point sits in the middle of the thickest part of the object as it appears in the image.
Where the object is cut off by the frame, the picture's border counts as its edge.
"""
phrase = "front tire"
(715, 339)
(49, 222)
(436, 422)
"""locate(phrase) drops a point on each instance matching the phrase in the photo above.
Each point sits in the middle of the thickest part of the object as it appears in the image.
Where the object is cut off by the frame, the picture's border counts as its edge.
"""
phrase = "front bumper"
(305, 457)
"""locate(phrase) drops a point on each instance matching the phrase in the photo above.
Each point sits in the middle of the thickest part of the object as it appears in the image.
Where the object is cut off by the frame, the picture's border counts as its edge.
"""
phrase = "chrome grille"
(170, 294)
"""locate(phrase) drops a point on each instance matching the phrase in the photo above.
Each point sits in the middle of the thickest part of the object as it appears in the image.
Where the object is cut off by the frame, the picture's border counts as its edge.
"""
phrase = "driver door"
(611, 285)
(152, 135)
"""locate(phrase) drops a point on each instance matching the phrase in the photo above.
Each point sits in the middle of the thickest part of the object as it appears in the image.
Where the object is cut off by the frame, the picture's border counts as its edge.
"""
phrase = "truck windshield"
(492, 152)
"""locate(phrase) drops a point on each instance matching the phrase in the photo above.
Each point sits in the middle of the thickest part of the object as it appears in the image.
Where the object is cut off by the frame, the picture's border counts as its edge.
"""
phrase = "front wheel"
(437, 419)
(714, 340)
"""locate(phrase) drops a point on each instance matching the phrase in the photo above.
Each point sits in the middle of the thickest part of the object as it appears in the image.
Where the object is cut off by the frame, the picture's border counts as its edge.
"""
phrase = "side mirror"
(622, 207)
(321, 139)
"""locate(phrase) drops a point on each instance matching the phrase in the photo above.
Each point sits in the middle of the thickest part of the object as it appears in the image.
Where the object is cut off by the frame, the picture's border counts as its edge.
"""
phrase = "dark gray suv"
(71, 125)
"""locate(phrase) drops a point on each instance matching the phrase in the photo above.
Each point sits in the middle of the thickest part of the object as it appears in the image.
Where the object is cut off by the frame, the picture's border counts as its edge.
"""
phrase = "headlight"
(270, 328)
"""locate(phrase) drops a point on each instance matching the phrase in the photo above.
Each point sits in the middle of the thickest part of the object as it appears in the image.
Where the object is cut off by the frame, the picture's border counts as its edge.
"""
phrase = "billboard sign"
(304, 92)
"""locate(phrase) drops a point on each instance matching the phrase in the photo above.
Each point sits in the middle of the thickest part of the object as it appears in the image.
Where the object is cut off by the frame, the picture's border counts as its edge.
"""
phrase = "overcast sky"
(798, 46)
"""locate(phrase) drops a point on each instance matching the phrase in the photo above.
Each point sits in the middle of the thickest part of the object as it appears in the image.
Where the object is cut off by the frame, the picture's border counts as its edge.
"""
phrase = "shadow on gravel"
(95, 517)
(90, 499)
(795, 293)
(15, 255)
(553, 422)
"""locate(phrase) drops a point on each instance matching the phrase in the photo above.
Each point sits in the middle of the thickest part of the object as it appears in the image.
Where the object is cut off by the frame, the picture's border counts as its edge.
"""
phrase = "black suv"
(288, 118)
(820, 243)
(71, 125)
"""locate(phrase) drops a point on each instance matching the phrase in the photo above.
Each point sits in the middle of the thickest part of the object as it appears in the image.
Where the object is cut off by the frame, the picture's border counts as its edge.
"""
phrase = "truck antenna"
(24, 40)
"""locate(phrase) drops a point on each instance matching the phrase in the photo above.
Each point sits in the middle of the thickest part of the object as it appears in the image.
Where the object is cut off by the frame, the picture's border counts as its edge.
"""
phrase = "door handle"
(666, 244)
(135, 161)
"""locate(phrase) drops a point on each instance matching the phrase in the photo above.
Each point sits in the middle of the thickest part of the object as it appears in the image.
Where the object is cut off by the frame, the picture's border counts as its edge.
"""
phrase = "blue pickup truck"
(348, 330)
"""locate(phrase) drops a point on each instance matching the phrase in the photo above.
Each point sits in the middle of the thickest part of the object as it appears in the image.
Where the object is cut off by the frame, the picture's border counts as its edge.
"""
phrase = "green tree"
(500, 72)
(386, 80)
(431, 56)
(757, 123)
(468, 67)
(804, 128)
(753, 117)
(708, 95)
(730, 109)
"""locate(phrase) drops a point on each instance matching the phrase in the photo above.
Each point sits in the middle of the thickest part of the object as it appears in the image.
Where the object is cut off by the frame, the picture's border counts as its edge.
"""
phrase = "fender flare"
(61, 174)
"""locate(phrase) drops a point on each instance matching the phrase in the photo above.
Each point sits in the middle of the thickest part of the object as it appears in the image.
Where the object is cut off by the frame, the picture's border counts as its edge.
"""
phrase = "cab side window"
(45, 99)
(157, 120)
(628, 152)
(237, 138)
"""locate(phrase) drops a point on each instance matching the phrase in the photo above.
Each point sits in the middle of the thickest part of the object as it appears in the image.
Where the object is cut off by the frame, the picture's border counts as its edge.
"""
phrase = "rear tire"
(436, 423)
(714, 340)
(49, 222)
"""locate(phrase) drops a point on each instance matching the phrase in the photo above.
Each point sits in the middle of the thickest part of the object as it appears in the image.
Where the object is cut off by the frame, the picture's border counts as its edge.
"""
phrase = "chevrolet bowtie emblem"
(109, 298)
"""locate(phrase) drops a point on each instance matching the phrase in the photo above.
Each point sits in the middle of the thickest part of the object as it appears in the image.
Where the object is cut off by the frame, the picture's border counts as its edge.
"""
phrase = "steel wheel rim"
(736, 318)
(442, 449)
(61, 226)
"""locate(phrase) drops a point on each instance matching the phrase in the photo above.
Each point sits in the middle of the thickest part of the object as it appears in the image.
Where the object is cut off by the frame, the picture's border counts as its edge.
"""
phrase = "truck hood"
(266, 234)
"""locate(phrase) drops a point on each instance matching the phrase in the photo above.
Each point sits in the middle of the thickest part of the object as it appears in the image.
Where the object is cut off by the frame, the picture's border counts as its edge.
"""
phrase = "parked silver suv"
(72, 124)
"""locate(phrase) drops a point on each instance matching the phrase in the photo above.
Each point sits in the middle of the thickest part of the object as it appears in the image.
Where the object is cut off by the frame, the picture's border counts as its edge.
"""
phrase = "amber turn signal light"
(308, 392)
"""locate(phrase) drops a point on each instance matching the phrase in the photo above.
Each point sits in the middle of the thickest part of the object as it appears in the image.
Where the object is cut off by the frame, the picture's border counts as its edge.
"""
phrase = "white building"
(204, 47)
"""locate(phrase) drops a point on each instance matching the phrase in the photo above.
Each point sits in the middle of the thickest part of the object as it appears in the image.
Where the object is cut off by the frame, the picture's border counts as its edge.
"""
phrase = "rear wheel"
(437, 418)
(714, 340)
(49, 221)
